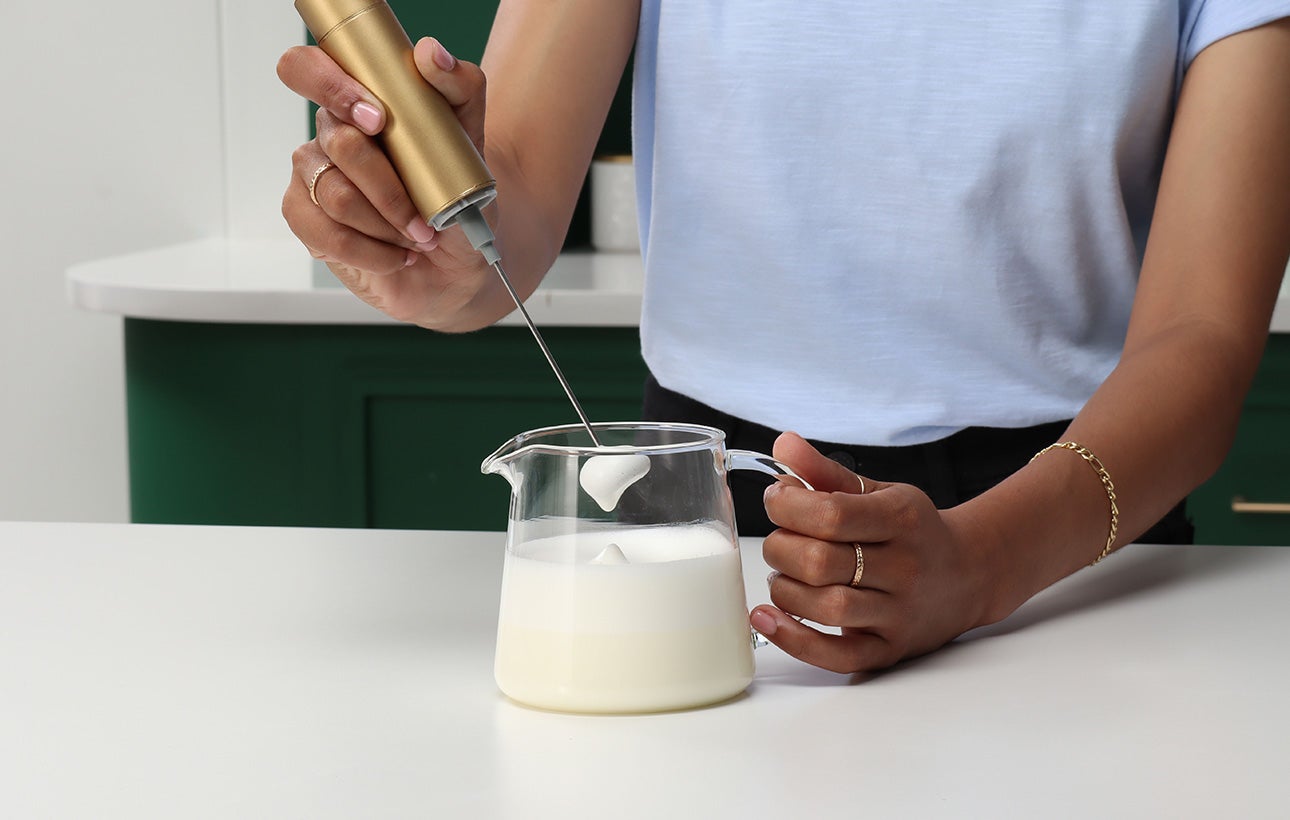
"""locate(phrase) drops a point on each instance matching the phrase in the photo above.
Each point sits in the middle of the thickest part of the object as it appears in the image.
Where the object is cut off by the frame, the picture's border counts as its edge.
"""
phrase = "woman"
(935, 238)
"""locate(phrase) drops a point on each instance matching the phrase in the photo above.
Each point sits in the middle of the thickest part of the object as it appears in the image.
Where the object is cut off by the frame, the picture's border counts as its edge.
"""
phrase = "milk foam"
(606, 477)
(612, 554)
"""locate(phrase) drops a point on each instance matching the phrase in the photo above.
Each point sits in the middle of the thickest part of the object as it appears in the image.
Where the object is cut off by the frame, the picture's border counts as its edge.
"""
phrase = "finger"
(874, 517)
(369, 196)
(851, 652)
(822, 472)
(308, 71)
(833, 605)
(461, 83)
(334, 242)
(337, 196)
(810, 560)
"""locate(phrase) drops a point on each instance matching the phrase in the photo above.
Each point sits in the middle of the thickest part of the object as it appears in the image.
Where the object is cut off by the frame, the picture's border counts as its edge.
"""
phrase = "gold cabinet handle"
(1240, 505)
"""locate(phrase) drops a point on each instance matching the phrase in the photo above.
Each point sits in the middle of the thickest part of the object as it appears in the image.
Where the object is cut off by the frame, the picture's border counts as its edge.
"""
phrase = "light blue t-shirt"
(882, 222)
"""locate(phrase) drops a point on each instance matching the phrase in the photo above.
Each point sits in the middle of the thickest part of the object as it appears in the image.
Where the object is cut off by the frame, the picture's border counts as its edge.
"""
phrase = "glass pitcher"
(637, 608)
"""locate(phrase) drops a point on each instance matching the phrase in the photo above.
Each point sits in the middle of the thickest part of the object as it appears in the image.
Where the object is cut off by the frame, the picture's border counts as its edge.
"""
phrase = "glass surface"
(633, 609)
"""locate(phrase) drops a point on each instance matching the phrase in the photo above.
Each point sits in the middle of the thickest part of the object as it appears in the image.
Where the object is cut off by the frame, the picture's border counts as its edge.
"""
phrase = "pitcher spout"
(502, 461)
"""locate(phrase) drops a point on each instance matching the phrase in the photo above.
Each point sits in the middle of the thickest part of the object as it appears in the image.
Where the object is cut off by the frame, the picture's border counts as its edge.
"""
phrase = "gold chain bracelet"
(1096, 464)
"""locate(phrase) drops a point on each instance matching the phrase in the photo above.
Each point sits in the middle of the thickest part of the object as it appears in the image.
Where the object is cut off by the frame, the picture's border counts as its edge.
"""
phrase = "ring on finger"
(313, 182)
(859, 573)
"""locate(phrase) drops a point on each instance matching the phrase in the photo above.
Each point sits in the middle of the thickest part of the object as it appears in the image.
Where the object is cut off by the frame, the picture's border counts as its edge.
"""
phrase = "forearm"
(1161, 424)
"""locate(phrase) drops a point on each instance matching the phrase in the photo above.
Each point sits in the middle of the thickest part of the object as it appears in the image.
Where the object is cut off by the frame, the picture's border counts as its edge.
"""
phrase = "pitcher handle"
(762, 463)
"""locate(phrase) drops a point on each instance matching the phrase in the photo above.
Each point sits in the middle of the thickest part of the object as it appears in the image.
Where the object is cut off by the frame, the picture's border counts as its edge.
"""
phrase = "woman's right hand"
(364, 225)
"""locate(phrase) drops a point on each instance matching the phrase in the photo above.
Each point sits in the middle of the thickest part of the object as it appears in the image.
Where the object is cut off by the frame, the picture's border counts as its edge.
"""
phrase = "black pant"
(950, 471)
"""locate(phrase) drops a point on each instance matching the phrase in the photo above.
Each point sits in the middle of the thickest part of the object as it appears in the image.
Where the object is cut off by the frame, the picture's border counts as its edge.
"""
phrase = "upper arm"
(1220, 234)
(553, 67)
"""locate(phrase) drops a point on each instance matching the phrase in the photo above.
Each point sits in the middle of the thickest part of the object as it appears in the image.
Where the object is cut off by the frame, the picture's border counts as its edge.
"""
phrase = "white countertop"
(220, 280)
(161, 671)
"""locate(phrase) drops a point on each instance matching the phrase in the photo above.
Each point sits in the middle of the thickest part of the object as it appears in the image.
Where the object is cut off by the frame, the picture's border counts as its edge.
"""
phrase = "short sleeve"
(1205, 22)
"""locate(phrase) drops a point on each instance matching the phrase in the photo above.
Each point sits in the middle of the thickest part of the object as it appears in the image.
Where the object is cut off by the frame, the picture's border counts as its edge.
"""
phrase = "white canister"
(613, 204)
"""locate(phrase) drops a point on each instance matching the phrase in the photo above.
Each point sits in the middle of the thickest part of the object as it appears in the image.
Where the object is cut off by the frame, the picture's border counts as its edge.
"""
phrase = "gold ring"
(313, 181)
(855, 579)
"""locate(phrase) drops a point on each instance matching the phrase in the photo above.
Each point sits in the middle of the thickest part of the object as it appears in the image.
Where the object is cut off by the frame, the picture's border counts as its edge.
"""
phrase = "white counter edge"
(270, 282)
(219, 280)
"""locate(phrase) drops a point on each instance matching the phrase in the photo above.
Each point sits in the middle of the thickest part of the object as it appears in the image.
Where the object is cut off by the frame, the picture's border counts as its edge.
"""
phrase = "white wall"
(125, 127)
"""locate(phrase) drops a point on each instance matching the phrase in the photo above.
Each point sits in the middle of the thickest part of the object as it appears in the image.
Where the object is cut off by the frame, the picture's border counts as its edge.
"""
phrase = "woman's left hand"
(923, 583)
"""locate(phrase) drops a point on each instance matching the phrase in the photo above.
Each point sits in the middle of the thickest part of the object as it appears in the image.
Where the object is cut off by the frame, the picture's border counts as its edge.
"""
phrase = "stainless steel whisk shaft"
(546, 351)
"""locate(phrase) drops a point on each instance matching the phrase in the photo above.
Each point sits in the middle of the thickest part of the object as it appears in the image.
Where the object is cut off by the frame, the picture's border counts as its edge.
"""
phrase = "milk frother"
(439, 165)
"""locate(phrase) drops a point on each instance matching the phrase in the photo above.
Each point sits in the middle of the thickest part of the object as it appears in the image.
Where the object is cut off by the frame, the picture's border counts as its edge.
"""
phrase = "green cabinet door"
(349, 426)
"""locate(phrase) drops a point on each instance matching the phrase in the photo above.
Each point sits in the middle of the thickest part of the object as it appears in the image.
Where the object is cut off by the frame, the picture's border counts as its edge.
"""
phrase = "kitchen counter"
(219, 280)
(276, 282)
(164, 671)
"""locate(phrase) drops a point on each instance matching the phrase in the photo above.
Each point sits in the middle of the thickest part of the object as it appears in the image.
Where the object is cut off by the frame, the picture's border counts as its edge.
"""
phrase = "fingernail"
(366, 117)
(763, 622)
(412, 259)
(426, 247)
(771, 490)
(418, 231)
(770, 579)
(442, 58)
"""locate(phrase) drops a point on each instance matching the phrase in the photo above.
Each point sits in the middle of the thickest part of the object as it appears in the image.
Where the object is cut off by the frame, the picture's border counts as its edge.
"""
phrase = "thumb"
(461, 83)
(820, 471)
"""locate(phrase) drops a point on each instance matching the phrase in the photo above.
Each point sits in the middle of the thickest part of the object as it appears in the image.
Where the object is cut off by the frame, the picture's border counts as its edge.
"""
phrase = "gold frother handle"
(422, 137)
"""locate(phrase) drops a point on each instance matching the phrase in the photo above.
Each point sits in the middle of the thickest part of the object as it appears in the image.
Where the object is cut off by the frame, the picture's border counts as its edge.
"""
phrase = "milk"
(668, 629)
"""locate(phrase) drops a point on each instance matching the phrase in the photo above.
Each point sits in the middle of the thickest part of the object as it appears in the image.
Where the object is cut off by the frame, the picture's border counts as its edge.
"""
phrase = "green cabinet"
(385, 426)
(349, 426)
(1248, 499)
